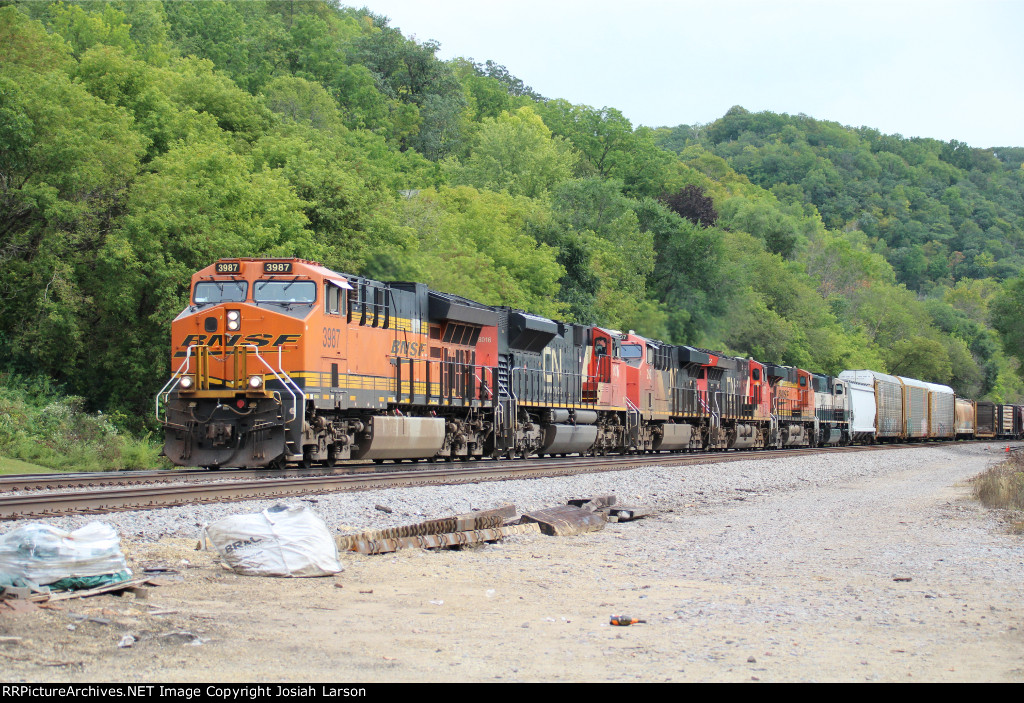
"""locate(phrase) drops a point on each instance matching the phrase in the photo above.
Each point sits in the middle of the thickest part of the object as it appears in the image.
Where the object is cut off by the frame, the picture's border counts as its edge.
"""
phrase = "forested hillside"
(140, 141)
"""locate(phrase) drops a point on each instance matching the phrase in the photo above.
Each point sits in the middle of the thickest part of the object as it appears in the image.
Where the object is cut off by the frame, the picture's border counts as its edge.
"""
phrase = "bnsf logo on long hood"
(230, 340)
(407, 349)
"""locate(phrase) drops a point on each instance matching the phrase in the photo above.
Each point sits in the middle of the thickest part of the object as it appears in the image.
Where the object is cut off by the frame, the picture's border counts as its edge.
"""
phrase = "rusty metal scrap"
(593, 503)
(608, 506)
(369, 543)
(430, 527)
(462, 524)
(565, 520)
(505, 511)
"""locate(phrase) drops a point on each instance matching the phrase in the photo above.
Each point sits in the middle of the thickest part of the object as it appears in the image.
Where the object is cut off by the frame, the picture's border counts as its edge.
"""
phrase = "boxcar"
(862, 405)
(941, 412)
(915, 408)
(889, 417)
(1004, 421)
(985, 419)
(964, 418)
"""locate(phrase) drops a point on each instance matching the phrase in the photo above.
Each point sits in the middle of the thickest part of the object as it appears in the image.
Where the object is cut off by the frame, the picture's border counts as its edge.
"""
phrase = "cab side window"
(334, 299)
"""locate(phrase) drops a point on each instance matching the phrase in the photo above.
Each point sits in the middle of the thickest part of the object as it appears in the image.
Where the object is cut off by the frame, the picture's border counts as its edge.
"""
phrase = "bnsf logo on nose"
(407, 349)
(230, 340)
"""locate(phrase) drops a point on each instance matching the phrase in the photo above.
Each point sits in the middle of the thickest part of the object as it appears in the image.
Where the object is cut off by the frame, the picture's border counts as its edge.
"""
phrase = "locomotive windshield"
(294, 291)
(220, 292)
(632, 353)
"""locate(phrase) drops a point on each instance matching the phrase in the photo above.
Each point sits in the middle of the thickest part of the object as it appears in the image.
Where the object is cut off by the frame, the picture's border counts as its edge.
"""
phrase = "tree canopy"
(140, 140)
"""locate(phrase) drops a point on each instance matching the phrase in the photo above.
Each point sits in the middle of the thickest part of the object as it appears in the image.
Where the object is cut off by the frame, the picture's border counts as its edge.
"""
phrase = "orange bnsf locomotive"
(284, 361)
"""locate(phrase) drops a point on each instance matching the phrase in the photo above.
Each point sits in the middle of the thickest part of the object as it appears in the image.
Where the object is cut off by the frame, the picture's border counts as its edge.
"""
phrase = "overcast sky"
(947, 69)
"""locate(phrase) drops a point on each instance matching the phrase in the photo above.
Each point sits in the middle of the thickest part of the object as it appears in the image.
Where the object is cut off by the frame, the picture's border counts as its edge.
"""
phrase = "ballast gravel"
(663, 488)
(862, 566)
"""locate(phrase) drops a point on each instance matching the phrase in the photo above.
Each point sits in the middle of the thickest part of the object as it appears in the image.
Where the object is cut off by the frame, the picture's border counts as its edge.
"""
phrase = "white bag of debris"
(42, 554)
(285, 540)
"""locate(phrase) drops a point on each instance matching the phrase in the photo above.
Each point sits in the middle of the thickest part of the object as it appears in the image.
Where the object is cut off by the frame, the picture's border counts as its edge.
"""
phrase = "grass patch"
(41, 426)
(1002, 488)
(13, 466)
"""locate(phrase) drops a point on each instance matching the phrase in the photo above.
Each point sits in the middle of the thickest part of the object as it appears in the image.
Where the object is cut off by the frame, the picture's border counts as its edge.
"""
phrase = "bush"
(40, 425)
(1002, 487)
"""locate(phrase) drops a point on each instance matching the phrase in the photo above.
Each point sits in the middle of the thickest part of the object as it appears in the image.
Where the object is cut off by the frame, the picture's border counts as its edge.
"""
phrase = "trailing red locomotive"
(284, 360)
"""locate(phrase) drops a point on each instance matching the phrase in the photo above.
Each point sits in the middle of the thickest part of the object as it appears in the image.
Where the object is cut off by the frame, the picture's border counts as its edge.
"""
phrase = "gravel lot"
(778, 570)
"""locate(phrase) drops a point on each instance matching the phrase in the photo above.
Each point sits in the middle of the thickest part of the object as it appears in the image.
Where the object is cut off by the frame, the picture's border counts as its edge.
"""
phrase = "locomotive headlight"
(186, 383)
(255, 382)
(234, 319)
(232, 324)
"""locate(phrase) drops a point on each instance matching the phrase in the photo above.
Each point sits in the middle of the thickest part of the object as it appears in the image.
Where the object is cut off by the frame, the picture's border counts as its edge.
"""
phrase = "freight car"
(1009, 421)
(285, 360)
(985, 419)
(964, 418)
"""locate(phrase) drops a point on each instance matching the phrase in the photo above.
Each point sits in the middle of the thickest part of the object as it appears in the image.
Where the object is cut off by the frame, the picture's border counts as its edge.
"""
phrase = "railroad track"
(211, 487)
(100, 479)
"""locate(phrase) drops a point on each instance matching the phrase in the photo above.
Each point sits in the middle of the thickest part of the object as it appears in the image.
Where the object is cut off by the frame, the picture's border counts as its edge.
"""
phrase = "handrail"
(284, 381)
(280, 374)
(512, 383)
(175, 378)
(632, 411)
(579, 380)
(483, 383)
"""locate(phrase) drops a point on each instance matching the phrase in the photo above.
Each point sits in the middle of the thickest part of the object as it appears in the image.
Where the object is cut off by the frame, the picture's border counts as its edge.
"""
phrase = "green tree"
(474, 243)
(66, 159)
(601, 224)
(299, 100)
(196, 204)
(516, 153)
(347, 194)
(1007, 311)
(610, 147)
(410, 73)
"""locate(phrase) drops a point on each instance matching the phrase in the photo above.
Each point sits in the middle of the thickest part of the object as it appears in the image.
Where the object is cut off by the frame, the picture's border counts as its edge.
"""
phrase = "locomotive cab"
(284, 360)
(237, 396)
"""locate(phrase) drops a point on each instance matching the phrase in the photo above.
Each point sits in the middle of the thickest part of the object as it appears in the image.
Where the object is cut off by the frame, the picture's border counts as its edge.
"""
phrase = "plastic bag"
(42, 554)
(285, 540)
